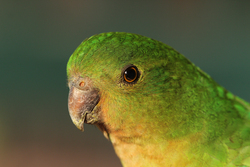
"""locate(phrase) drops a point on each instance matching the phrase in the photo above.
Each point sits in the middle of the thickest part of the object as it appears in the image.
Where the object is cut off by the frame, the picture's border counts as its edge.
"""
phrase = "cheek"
(111, 111)
(107, 108)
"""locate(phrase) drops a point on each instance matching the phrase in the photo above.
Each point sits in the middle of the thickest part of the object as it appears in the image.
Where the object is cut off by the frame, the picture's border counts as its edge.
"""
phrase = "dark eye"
(130, 74)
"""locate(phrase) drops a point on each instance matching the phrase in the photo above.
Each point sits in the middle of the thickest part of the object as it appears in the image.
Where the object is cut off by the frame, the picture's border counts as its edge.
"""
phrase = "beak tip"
(81, 128)
(79, 124)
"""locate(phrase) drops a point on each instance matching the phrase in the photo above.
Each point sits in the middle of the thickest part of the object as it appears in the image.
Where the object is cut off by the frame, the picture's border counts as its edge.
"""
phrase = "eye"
(130, 74)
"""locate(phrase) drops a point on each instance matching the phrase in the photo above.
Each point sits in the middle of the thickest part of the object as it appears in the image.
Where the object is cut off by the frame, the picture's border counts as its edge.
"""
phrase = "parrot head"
(124, 82)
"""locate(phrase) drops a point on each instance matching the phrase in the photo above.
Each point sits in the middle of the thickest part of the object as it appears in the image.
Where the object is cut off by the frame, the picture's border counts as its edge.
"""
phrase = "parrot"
(154, 105)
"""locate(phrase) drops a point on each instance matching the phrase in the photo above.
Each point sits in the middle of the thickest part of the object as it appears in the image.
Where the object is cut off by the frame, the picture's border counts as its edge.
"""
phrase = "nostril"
(81, 84)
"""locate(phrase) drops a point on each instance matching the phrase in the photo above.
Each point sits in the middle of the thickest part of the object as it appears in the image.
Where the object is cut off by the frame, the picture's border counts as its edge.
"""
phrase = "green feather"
(173, 104)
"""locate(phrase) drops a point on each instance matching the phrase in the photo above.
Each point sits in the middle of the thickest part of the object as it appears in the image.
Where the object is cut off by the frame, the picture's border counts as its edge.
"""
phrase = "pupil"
(130, 74)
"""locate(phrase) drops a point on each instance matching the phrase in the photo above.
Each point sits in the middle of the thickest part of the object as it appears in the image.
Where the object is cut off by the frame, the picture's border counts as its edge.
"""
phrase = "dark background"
(38, 37)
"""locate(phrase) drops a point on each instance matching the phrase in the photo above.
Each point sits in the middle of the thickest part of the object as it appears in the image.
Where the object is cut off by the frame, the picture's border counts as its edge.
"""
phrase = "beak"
(82, 105)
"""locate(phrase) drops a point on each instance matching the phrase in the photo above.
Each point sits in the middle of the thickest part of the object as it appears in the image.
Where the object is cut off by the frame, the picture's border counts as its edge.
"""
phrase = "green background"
(37, 38)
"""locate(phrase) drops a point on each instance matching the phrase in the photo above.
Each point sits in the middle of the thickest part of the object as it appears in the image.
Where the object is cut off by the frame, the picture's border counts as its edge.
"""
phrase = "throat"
(140, 151)
(139, 148)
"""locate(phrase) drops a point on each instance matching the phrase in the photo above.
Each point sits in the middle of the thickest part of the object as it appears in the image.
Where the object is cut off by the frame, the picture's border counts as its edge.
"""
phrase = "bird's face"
(122, 82)
(91, 98)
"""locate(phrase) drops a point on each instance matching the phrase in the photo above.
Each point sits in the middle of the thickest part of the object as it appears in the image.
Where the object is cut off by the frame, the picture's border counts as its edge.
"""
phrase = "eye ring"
(130, 74)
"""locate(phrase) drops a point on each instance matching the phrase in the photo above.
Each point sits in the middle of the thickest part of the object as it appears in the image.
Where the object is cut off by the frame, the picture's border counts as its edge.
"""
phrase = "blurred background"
(38, 37)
